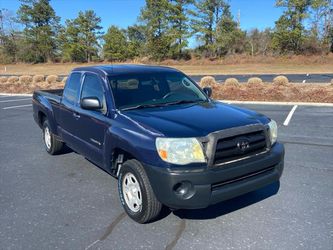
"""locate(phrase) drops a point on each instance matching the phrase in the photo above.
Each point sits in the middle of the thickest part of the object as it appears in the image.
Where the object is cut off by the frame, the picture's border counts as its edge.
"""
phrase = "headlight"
(180, 150)
(272, 131)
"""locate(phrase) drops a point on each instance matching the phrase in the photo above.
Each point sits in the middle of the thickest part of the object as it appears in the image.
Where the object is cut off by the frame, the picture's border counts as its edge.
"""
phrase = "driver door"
(93, 123)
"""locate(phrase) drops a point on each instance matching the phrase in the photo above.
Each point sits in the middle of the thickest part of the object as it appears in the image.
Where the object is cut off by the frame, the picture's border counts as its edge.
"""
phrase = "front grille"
(239, 146)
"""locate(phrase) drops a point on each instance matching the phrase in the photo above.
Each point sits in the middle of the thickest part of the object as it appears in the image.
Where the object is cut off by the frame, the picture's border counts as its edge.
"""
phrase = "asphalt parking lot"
(65, 202)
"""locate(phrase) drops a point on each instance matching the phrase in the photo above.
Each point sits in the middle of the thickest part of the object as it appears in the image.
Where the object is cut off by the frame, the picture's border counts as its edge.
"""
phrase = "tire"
(132, 176)
(52, 145)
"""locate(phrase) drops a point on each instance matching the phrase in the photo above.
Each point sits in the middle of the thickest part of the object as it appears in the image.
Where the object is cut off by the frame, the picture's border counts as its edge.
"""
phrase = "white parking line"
(286, 122)
(19, 106)
(16, 100)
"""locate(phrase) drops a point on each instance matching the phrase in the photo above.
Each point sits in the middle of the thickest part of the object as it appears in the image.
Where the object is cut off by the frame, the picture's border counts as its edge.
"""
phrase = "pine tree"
(71, 46)
(289, 29)
(88, 24)
(115, 45)
(154, 17)
(40, 28)
(180, 27)
(206, 16)
(229, 38)
(136, 41)
(79, 38)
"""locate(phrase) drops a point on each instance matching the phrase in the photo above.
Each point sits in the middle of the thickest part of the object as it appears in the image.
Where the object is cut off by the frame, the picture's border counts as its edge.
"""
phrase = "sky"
(122, 13)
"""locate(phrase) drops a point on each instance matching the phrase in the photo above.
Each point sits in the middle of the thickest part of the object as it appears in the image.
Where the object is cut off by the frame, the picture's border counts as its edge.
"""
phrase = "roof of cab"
(119, 69)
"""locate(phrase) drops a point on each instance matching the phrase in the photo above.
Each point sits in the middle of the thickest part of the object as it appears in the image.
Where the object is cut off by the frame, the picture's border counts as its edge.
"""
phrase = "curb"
(315, 104)
(11, 94)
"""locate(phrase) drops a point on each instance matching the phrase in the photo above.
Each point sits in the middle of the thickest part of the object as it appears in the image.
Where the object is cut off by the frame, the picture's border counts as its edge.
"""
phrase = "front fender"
(139, 145)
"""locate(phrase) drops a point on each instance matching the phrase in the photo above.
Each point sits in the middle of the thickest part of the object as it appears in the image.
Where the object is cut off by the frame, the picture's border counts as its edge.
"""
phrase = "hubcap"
(47, 137)
(132, 192)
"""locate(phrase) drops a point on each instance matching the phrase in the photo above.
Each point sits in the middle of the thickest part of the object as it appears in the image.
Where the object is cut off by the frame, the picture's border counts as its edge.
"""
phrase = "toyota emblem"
(243, 145)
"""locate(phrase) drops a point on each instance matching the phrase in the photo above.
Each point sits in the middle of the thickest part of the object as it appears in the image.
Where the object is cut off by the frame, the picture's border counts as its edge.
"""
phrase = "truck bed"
(53, 95)
(48, 92)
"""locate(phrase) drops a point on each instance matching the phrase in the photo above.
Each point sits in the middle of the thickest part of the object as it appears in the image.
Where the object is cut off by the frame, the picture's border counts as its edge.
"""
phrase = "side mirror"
(90, 103)
(208, 91)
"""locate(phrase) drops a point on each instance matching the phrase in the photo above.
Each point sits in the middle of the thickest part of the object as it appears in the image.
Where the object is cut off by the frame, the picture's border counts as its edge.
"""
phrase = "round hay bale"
(207, 81)
(51, 79)
(25, 79)
(38, 78)
(13, 79)
(3, 79)
(281, 81)
(255, 82)
(231, 82)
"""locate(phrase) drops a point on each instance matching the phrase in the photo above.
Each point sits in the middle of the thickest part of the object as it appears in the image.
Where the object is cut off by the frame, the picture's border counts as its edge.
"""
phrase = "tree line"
(163, 31)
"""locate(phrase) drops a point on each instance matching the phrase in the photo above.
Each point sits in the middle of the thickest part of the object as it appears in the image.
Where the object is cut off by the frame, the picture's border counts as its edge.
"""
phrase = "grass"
(279, 67)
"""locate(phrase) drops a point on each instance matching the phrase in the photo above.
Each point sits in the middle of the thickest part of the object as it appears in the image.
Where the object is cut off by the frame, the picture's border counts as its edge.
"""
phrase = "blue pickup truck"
(161, 135)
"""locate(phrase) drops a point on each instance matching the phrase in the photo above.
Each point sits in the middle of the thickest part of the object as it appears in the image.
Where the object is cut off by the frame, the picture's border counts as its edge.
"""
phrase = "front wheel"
(136, 194)
(52, 145)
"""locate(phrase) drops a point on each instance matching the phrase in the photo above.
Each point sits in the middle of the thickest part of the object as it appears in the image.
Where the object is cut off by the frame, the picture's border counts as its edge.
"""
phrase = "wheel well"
(119, 156)
(41, 118)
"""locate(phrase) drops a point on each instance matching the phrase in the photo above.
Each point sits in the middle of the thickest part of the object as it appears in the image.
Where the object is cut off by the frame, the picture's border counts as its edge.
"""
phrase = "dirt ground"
(230, 65)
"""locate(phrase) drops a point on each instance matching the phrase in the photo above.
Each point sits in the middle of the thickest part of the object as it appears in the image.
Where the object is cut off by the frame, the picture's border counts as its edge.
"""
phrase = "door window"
(92, 87)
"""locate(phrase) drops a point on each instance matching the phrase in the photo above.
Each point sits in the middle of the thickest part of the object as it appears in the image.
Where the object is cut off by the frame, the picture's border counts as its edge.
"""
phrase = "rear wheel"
(52, 145)
(136, 194)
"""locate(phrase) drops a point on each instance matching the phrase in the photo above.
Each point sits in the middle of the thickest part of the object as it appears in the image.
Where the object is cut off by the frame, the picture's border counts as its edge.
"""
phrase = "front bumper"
(213, 185)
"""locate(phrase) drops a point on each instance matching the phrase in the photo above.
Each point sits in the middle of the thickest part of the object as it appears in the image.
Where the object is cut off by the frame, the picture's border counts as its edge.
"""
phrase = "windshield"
(149, 90)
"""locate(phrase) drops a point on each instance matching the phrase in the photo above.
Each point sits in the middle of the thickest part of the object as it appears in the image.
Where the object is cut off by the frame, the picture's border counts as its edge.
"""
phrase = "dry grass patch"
(13, 79)
(281, 81)
(207, 81)
(3, 79)
(27, 84)
(279, 93)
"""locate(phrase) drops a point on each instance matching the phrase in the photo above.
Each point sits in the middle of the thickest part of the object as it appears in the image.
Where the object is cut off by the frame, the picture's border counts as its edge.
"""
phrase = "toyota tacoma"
(161, 135)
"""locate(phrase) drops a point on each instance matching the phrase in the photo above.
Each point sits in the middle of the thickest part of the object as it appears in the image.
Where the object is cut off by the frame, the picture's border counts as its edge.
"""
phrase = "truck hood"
(194, 120)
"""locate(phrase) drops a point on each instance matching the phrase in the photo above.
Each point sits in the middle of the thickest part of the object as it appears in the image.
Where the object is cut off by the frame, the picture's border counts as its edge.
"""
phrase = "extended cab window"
(92, 87)
(71, 91)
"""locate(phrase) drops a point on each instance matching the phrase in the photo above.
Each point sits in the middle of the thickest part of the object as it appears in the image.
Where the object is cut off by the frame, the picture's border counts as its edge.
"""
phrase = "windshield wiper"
(184, 102)
(142, 106)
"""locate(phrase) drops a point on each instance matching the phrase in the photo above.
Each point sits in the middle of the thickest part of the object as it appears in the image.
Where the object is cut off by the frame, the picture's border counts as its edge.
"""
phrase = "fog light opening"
(184, 189)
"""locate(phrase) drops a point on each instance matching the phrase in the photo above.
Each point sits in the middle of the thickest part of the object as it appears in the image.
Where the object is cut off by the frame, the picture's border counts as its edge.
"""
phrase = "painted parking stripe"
(18, 106)
(16, 100)
(290, 115)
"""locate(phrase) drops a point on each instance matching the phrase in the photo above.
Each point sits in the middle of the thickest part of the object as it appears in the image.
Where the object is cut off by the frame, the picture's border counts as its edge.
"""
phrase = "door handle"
(76, 116)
